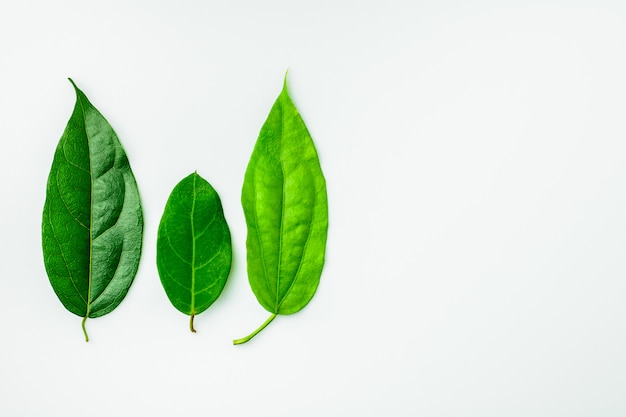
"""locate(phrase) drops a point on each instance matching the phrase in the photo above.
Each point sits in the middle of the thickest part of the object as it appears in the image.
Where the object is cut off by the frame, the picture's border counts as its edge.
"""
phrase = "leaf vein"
(62, 198)
(304, 251)
(261, 248)
(65, 262)
(209, 261)
(171, 245)
(71, 162)
(119, 261)
(176, 281)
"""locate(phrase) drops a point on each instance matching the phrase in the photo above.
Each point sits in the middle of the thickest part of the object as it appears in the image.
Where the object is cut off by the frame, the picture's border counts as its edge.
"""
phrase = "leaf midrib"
(282, 214)
(193, 249)
(279, 302)
(90, 274)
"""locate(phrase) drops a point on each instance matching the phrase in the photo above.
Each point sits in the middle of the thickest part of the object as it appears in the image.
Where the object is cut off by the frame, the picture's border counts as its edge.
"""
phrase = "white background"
(475, 155)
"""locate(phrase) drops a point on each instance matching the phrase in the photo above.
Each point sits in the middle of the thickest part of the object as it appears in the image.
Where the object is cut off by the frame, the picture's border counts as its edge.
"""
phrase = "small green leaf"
(92, 220)
(194, 251)
(286, 209)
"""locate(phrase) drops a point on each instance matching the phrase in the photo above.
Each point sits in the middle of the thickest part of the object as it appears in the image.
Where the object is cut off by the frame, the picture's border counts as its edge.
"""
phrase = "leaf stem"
(254, 333)
(191, 323)
(85, 330)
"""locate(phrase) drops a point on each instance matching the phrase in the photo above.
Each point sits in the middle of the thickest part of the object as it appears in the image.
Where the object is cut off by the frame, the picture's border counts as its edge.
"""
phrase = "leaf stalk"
(254, 333)
(84, 329)
(191, 323)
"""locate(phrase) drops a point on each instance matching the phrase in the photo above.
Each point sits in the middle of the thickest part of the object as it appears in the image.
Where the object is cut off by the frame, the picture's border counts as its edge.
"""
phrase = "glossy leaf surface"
(92, 220)
(285, 205)
(194, 251)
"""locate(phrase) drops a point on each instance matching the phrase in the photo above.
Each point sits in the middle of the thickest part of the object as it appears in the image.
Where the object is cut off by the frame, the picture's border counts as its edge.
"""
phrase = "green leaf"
(194, 251)
(286, 209)
(92, 221)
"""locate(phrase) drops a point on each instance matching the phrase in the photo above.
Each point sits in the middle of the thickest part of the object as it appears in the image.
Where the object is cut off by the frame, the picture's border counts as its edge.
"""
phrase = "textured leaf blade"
(286, 209)
(92, 219)
(194, 251)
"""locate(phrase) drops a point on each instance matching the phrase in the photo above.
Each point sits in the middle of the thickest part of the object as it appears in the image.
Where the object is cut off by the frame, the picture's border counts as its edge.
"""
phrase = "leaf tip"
(73, 83)
(285, 82)
(76, 89)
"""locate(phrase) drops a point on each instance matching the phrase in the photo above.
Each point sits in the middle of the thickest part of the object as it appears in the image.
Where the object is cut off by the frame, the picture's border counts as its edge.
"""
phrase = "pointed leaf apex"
(285, 81)
(79, 93)
(73, 83)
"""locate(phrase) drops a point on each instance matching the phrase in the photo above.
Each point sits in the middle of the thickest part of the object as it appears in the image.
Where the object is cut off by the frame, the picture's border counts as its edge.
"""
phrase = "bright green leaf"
(194, 252)
(286, 209)
(92, 220)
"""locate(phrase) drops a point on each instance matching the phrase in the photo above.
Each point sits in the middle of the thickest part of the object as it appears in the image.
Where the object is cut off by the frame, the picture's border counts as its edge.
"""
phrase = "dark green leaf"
(194, 252)
(92, 221)
(286, 209)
